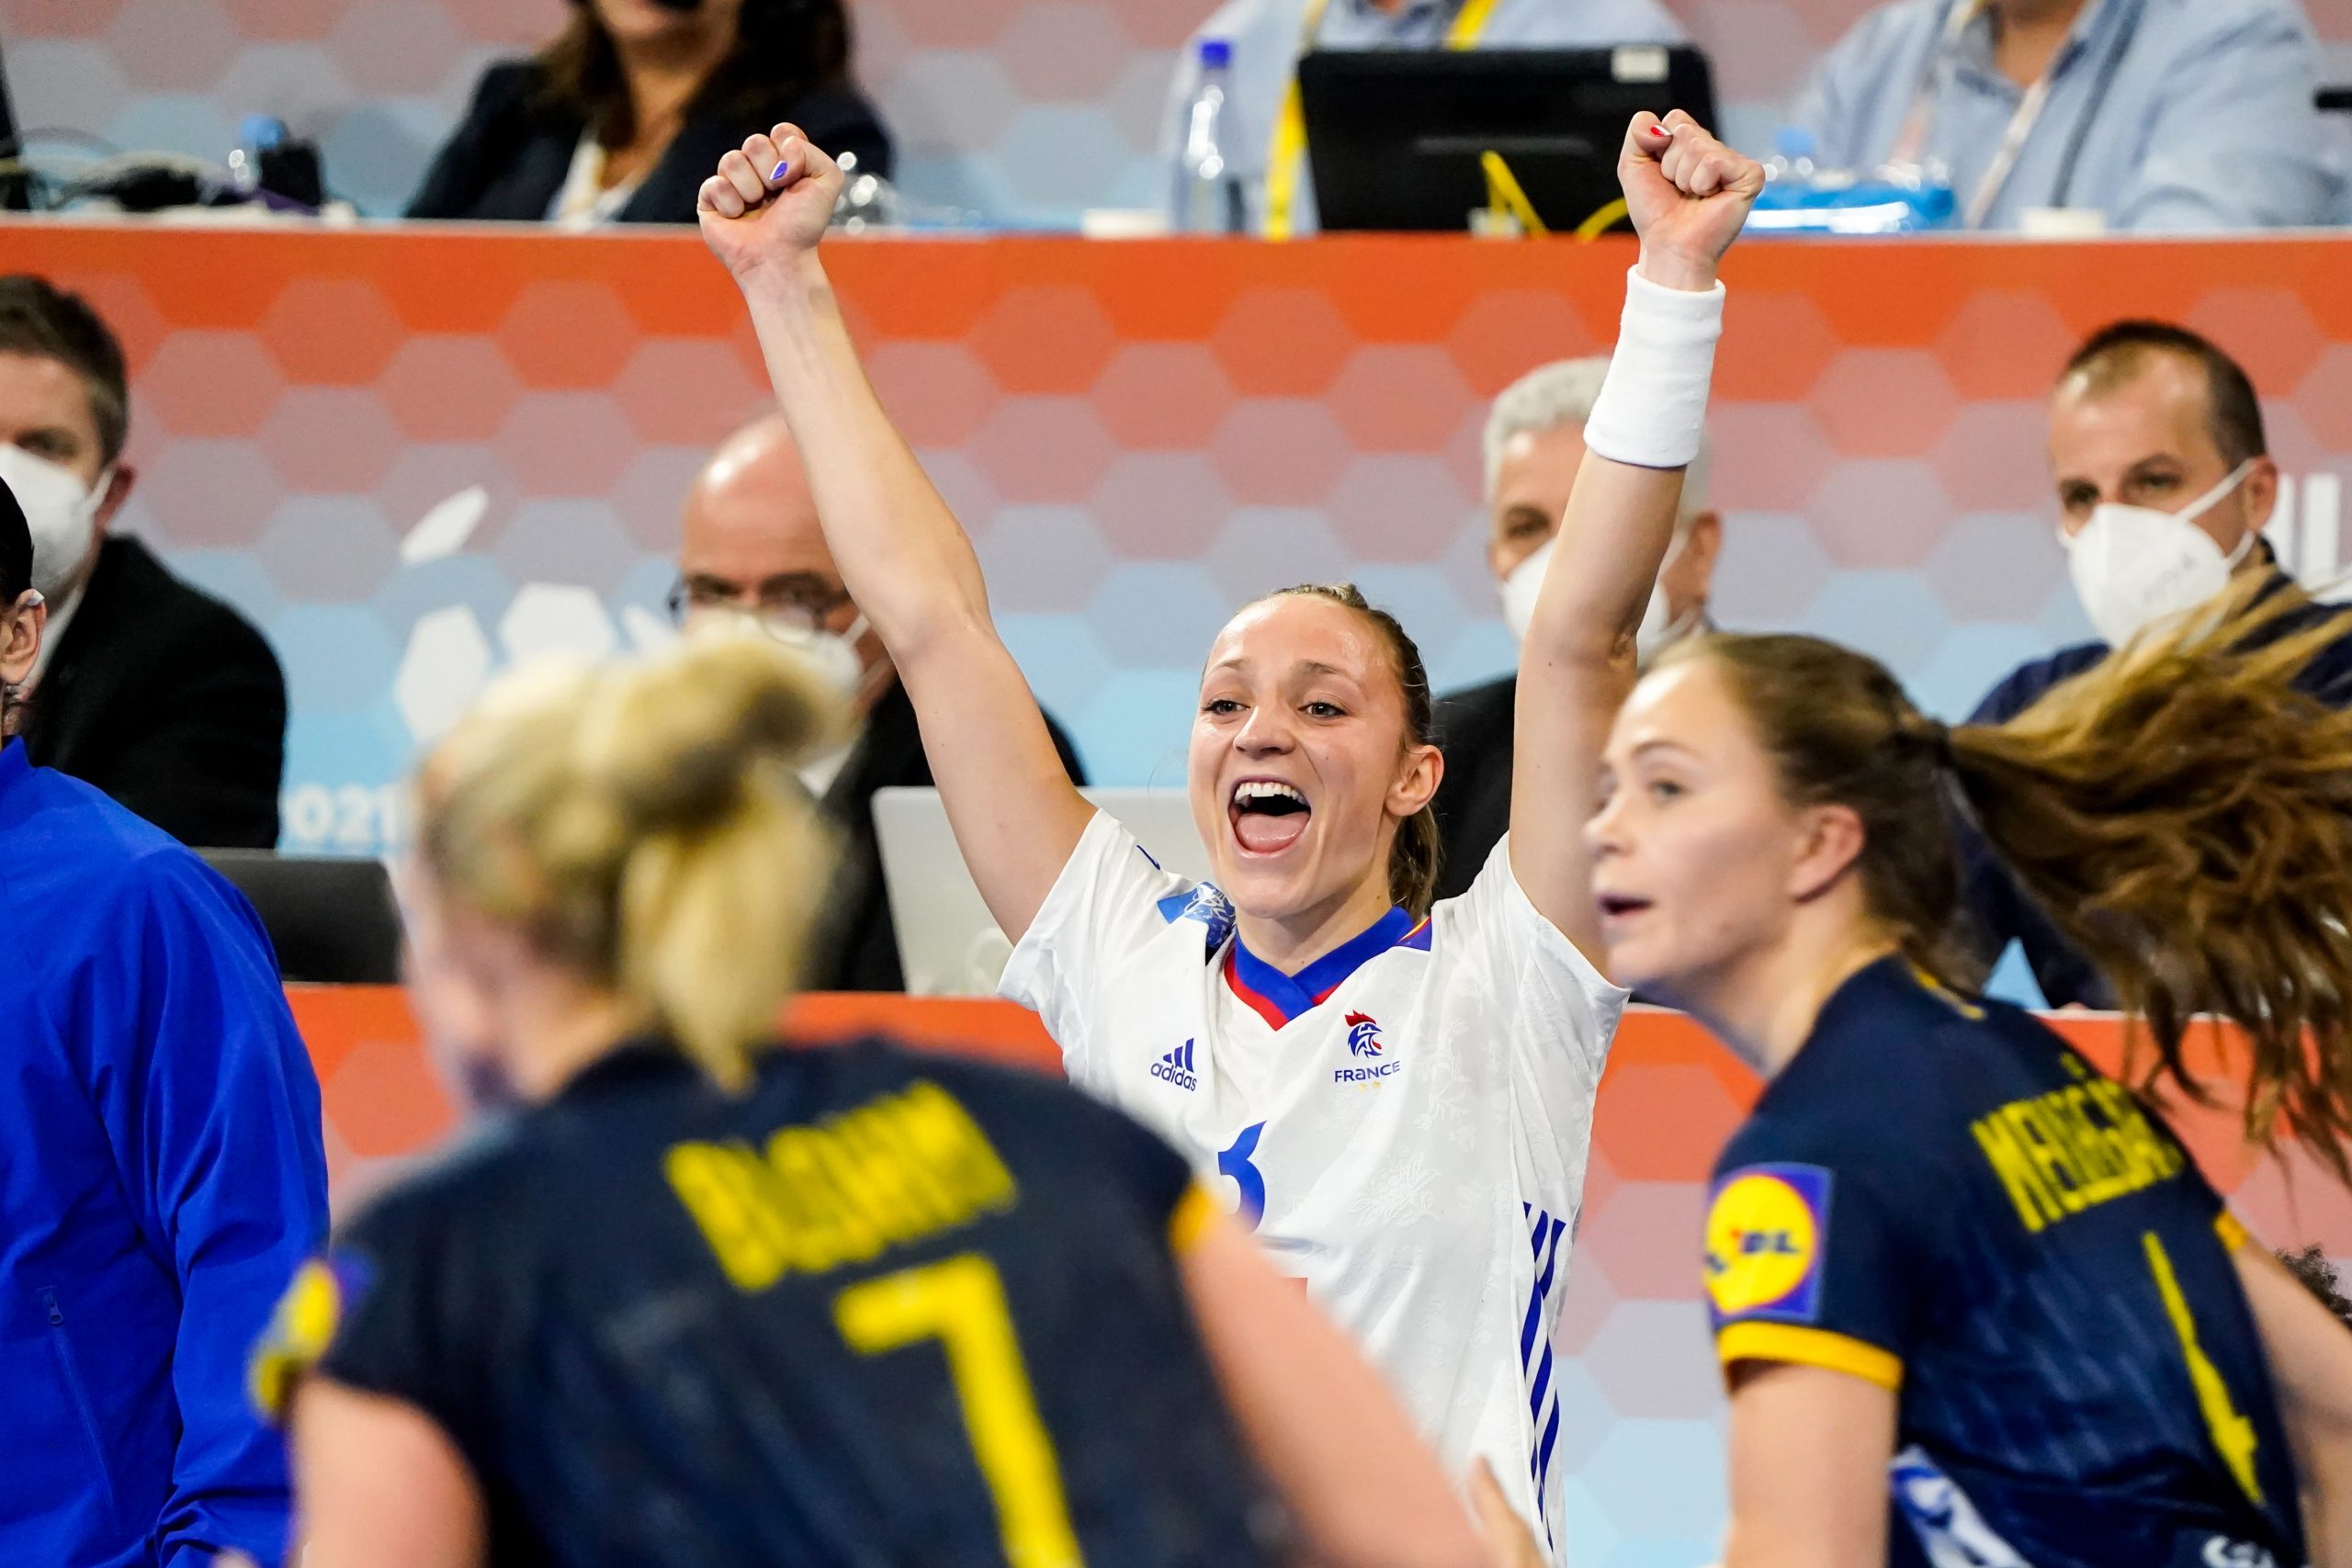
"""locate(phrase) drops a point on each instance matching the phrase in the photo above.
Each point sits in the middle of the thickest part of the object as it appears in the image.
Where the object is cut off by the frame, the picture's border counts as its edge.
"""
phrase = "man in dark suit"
(751, 546)
(160, 695)
(1534, 444)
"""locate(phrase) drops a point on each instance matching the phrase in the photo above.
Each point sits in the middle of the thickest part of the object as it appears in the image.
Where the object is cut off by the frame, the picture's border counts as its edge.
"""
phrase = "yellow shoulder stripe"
(2233, 1234)
(1808, 1347)
(1191, 1219)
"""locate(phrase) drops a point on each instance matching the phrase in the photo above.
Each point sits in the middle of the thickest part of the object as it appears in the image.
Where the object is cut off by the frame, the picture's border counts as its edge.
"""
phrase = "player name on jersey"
(2075, 1148)
(897, 1168)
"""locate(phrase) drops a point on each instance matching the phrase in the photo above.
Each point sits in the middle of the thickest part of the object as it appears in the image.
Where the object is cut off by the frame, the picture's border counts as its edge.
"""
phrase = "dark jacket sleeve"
(1474, 734)
(1065, 750)
(842, 120)
(838, 119)
(207, 767)
(485, 142)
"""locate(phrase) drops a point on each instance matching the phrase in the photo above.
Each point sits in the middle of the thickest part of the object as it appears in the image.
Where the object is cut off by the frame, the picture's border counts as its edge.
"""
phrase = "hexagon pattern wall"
(1022, 111)
(414, 458)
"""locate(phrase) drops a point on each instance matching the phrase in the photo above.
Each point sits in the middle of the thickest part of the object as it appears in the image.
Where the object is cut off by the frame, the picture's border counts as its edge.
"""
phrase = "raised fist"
(769, 202)
(1688, 195)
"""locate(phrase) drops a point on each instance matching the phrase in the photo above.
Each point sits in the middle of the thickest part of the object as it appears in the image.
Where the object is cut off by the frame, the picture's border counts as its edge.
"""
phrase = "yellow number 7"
(960, 1302)
(2233, 1433)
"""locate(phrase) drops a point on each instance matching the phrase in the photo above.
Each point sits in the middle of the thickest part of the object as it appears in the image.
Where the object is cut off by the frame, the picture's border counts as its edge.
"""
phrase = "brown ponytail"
(1413, 855)
(641, 821)
(2181, 811)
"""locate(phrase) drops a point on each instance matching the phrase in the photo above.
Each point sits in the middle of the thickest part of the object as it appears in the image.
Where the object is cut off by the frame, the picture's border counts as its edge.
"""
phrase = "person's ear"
(1417, 781)
(22, 625)
(118, 487)
(1829, 840)
(1704, 542)
(2261, 492)
(1690, 571)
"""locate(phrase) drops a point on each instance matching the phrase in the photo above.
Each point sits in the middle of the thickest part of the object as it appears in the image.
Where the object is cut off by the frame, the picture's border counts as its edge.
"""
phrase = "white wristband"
(1653, 403)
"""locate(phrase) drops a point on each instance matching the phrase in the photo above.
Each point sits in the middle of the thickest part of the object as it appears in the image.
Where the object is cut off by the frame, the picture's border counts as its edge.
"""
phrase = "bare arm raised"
(1689, 194)
(903, 555)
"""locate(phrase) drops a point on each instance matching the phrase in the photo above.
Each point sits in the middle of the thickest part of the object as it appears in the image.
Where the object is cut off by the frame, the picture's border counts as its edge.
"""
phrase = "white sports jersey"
(1404, 1123)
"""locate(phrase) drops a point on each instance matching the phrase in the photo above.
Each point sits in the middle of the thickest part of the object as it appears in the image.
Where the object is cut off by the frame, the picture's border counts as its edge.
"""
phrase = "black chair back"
(332, 920)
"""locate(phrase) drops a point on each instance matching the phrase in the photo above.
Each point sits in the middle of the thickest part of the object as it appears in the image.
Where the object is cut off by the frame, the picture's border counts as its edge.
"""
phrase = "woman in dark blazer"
(622, 116)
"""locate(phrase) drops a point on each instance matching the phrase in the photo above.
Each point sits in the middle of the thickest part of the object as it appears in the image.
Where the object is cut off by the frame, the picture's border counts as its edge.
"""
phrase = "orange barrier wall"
(1670, 1097)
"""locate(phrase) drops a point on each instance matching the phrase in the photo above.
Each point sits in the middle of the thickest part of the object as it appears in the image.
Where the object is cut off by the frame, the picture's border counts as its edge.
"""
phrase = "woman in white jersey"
(1399, 1099)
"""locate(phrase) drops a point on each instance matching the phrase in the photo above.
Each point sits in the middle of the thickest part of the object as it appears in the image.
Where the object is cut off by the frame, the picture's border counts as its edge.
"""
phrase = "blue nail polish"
(775, 176)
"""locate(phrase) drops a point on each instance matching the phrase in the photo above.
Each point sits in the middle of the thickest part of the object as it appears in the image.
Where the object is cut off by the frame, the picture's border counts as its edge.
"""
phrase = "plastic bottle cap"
(1216, 53)
(261, 131)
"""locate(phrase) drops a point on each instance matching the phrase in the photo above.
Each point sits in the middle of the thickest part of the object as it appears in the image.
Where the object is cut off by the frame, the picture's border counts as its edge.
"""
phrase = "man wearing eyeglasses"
(750, 547)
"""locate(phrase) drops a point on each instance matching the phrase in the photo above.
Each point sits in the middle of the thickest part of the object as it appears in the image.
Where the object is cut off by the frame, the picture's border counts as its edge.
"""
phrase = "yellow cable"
(1598, 223)
(1505, 194)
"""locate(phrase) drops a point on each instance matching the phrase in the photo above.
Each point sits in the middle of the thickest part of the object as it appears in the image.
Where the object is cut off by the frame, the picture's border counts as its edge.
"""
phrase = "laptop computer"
(948, 944)
(1395, 136)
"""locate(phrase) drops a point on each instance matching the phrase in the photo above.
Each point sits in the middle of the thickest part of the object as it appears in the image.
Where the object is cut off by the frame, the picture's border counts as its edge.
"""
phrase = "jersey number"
(2233, 1433)
(960, 1302)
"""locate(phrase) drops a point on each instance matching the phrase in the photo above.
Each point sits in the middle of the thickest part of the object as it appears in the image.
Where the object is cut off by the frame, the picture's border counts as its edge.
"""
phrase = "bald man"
(750, 546)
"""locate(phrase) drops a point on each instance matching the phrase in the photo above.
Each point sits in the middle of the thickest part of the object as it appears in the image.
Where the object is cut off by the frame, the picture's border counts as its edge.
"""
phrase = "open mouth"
(1268, 815)
(1618, 905)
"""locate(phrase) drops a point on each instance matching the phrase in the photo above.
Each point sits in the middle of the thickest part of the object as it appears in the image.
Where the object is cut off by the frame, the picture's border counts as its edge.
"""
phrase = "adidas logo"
(1176, 1068)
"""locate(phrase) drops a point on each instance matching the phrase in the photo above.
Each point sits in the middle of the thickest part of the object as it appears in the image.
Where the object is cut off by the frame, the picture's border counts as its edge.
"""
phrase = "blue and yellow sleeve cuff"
(1191, 1219)
(298, 1336)
(1788, 1343)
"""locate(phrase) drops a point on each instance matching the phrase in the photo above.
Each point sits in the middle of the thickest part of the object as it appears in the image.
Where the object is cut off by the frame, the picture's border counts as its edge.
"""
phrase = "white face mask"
(1526, 581)
(832, 656)
(60, 512)
(2134, 565)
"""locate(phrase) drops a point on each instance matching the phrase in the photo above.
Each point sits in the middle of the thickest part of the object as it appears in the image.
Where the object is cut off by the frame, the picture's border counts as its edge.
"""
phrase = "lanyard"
(1912, 141)
(1288, 154)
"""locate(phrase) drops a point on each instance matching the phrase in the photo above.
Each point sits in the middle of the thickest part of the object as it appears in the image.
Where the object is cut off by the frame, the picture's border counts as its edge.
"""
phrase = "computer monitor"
(15, 188)
(1395, 136)
(948, 944)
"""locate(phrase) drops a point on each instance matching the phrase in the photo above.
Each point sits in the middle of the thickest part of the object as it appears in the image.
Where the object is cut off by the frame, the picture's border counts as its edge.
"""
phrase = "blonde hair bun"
(640, 819)
(677, 737)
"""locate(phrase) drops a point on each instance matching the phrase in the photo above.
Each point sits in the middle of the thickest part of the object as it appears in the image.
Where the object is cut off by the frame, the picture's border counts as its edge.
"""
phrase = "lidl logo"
(1765, 1230)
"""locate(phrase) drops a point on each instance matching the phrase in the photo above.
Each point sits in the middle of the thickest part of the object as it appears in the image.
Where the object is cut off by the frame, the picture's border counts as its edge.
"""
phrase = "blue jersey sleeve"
(216, 1116)
(1814, 1253)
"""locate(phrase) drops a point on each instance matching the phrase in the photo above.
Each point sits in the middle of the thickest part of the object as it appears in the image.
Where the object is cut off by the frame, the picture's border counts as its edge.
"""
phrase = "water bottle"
(256, 134)
(1791, 157)
(1209, 198)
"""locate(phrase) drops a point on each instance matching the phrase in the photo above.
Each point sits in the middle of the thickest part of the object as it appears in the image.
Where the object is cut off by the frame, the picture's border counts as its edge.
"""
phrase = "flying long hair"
(2182, 811)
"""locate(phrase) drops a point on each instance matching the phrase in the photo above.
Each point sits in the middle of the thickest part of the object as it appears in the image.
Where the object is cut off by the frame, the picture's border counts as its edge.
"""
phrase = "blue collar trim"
(1293, 996)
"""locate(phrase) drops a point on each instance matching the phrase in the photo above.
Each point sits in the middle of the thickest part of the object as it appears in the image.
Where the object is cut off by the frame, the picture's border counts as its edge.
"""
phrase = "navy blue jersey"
(1940, 1196)
(884, 1309)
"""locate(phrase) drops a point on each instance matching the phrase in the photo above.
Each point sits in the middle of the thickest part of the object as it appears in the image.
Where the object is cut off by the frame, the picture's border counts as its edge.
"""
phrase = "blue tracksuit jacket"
(161, 1177)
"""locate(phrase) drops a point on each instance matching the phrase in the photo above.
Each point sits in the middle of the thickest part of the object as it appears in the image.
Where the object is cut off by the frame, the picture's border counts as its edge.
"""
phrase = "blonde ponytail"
(641, 823)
